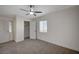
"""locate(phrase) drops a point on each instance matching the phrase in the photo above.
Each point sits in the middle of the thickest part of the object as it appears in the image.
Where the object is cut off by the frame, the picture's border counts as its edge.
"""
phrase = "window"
(43, 26)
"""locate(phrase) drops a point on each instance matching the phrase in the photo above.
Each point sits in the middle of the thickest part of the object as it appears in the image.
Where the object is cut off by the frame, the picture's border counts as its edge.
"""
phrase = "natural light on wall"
(10, 26)
(43, 26)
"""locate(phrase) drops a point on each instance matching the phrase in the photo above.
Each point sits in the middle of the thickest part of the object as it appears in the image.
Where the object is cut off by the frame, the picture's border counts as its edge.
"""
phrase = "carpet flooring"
(29, 46)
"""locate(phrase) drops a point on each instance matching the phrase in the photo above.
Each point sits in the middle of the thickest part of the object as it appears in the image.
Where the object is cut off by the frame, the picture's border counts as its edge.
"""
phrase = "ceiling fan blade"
(27, 13)
(24, 10)
(30, 6)
(37, 12)
(34, 14)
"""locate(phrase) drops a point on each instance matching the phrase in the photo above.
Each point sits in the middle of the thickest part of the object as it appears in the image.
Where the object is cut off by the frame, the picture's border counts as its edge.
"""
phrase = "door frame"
(28, 28)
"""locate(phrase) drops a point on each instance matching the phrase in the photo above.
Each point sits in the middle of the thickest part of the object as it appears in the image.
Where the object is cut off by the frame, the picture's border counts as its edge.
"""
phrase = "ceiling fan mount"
(31, 11)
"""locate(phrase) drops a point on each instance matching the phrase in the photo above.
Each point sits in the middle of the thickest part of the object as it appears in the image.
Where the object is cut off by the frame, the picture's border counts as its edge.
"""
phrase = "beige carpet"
(32, 47)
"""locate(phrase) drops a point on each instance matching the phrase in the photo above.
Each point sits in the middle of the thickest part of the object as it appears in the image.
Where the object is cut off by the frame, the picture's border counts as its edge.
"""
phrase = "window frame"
(43, 26)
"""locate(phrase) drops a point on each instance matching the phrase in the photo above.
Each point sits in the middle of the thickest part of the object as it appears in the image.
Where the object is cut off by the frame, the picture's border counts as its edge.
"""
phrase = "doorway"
(26, 30)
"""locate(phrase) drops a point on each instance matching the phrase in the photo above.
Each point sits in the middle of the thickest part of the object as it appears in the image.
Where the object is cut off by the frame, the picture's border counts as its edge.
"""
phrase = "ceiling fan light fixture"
(31, 13)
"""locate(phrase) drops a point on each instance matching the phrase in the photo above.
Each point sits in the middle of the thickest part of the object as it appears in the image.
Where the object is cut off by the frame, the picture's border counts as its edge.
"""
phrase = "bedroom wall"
(63, 28)
(5, 35)
(32, 29)
(18, 28)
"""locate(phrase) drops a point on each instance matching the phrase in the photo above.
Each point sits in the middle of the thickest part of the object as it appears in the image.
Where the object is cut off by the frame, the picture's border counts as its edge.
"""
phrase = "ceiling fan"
(31, 11)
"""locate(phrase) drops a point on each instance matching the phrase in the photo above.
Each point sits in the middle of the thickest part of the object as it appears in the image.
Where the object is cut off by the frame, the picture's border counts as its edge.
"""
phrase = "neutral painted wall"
(63, 28)
(14, 29)
(32, 29)
(5, 35)
(18, 28)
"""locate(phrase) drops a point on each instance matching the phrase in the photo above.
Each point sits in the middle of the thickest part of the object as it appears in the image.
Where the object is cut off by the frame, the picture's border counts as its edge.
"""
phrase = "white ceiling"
(14, 10)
